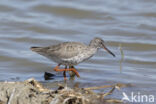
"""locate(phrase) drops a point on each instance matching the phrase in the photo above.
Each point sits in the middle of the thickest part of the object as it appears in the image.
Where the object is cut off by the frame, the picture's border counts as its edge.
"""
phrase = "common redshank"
(71, 53)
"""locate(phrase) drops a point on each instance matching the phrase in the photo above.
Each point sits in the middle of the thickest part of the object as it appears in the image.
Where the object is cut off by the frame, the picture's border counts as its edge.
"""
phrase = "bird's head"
(99, 43)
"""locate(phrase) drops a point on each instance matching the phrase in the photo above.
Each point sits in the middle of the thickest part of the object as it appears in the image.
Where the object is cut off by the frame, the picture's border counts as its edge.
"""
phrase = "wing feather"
(66, 49)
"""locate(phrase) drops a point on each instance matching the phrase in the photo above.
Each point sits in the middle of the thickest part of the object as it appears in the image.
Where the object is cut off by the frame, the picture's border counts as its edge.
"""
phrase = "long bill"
(108, 50)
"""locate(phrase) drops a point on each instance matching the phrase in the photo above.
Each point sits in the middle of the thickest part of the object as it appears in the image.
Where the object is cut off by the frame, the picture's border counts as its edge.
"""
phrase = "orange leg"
(70, 69)
(64, 73)
(74, 70)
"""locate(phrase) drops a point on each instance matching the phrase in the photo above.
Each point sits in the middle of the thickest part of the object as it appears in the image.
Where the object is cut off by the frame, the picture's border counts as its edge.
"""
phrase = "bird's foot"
(70, 69)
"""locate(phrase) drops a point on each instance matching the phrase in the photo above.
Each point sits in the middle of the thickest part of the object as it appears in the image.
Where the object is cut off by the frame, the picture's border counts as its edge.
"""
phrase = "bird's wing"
(66, 49)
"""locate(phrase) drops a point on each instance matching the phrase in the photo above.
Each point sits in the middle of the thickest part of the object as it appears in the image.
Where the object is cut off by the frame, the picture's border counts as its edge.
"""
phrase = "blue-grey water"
(132, 23)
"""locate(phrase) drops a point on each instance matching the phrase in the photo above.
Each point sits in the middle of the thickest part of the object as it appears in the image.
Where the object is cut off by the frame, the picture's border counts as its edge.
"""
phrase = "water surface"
(43, 23)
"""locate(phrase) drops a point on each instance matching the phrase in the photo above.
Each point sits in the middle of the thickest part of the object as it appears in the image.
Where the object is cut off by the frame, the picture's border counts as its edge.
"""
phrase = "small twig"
(112, 101)
(122, 57)
(98, 87)
(11, 96)
(9, 82)
(83, 100)
(109, 93)
(65, 100)
(106, 86)
(37, 85)
(56, 100)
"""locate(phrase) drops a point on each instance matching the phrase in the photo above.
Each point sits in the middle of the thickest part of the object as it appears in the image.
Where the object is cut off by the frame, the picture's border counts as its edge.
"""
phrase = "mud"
(32, 92)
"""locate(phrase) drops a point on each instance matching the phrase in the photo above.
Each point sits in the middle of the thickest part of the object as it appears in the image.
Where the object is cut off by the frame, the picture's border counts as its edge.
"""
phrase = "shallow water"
(43, 23)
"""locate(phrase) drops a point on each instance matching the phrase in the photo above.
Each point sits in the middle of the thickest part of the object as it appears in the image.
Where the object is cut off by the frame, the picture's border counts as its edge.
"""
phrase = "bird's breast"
(82, 56)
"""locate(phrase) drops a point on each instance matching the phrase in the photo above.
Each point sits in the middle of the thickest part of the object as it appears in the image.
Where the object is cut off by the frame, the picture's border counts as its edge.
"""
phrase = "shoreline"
(33, 92)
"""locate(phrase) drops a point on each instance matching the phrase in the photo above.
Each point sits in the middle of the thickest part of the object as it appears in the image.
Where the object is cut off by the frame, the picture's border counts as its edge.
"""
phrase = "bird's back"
(63, 50)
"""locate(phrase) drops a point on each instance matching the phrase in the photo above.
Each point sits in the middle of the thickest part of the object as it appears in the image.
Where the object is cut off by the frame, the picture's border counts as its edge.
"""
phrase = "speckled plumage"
(71, 53)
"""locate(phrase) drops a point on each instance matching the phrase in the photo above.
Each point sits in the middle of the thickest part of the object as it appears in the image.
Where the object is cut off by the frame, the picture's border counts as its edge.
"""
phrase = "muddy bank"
(32, 92)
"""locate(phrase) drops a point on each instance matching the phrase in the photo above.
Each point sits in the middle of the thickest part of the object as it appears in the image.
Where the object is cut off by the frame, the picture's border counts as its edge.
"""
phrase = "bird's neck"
(93, 45)
(93, 50)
